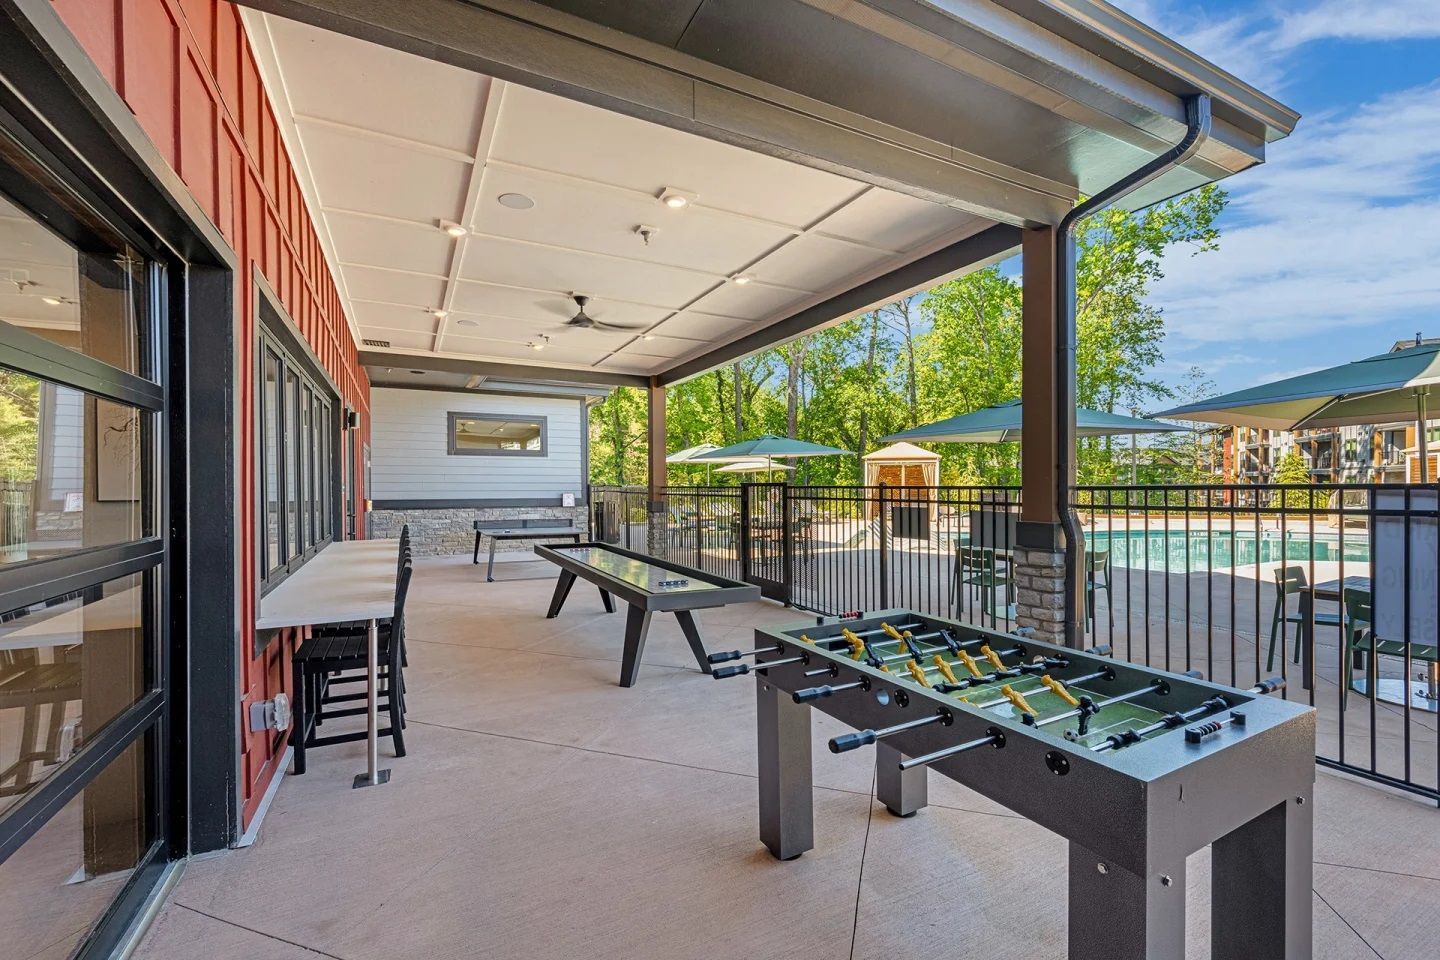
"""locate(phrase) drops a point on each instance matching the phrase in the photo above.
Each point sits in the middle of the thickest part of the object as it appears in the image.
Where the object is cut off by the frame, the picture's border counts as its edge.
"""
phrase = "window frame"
(453, 449)
(300, 376)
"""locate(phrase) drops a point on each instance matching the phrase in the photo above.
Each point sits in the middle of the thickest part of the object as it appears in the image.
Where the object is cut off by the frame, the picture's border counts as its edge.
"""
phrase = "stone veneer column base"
(441, 531)
(1040, 592)
(657, 533)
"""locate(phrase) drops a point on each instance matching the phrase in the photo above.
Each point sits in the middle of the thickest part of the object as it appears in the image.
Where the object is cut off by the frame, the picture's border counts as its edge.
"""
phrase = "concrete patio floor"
(545, 812)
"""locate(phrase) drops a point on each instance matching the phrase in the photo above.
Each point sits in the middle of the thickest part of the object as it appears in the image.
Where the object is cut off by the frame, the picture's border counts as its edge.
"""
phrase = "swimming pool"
(1201, 550)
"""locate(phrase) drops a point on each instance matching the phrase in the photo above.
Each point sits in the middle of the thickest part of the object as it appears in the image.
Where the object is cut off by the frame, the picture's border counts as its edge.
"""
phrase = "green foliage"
(1292, 469)
(19, 412)
(951, 350)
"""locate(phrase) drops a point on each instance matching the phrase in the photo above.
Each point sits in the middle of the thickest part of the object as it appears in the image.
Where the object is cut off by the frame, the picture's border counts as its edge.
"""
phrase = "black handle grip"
(723, 656)
(738, 670)
(812, 693)
(1269, 685)
(850, 741)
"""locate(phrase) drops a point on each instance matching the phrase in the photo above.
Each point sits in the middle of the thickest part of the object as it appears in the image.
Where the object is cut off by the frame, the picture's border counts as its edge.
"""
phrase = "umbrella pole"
(1420, 425)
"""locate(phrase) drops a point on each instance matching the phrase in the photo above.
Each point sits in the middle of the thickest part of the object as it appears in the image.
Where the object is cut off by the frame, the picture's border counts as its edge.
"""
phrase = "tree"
(1292, 469)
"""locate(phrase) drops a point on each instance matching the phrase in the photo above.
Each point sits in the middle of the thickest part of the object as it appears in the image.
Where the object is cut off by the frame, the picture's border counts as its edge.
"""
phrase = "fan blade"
(618, 328)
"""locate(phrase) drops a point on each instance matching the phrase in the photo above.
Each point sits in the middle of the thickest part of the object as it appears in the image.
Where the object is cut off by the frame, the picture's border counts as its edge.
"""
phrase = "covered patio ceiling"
(831, 155)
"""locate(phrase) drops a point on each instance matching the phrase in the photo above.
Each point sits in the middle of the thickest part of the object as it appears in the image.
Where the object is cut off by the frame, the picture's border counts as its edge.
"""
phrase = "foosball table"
(1137, 768)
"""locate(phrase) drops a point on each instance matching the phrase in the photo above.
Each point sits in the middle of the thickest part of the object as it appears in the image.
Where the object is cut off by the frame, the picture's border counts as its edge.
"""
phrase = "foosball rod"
(1106, 674)
(994, 737)
(1159, 685)
(740, 669)
(850, 741)
(1181, 717)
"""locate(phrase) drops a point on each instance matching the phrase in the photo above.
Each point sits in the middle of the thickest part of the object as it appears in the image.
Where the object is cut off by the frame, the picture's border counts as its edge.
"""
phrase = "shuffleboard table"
(648, 585)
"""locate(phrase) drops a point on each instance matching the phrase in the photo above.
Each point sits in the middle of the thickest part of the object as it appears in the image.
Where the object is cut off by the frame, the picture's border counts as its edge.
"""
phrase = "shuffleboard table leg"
(476, 558)
(490, 566)
(606, 599)
(903, 792)
(787, 796)
(637, 625)
(562, 590)
(1119, 915)
(1260, 880)
(692, 636)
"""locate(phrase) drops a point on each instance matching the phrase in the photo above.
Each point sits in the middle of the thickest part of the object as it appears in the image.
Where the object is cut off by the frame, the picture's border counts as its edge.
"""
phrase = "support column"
(657, 538)
(1039, 568)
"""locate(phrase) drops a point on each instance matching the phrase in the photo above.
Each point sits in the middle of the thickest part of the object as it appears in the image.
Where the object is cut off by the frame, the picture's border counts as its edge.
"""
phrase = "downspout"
(1197, 120)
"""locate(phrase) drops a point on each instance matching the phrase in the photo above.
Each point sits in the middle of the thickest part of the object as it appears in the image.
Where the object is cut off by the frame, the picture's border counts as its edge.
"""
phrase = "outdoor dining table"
(1328, 590)
(345, 582)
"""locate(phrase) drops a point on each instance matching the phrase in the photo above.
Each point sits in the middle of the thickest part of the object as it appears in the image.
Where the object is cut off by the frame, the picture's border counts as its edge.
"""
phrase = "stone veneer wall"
(441, 531)
(1040, 592)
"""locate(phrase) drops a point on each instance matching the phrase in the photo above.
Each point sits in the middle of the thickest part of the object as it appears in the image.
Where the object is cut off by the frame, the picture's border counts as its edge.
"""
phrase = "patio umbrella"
(689, 454)
(771, 448)
(1388, 387)
(752, 466)
(1001, 424)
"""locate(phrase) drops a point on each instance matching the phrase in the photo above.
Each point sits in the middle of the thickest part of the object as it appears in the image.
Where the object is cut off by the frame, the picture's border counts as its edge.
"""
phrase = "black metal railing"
(1336, 588)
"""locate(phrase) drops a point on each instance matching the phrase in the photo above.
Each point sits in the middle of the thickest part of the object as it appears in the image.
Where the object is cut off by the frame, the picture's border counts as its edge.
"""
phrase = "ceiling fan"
(584, 321)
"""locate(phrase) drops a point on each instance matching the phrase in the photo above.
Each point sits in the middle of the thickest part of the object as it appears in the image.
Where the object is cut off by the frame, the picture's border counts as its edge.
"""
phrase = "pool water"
(1197, 551)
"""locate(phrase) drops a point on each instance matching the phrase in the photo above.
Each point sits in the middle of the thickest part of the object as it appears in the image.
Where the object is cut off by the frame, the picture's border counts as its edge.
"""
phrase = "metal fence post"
(744, 540)
(884, 549)
(787, 566)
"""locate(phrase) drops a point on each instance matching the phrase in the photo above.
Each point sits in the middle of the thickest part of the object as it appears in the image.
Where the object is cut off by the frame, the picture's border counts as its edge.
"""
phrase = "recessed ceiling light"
(648, 336)
(440, 314)
(515, 201)
(676, 199)
(742, 278)
(539, 344)
(53, 301)
(467, 323)
(453, 228)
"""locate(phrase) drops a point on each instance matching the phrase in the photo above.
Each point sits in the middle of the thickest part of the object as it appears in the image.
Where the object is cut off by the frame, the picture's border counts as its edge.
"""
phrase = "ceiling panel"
(656, 345)
(697, 238)
(391, 317)
(572, 351)
(373, 176)
(435, 104)
(596, 144)
(403, 340)
(701, 326)
(385, 243)
(600, 277)
(894, 221)
(365, 283)
(483, 299)
(755, 300)
(816, 263)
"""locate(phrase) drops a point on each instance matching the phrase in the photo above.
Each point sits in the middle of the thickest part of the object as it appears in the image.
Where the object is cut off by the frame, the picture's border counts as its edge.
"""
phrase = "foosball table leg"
(787, 811)
(1260, 896)
(902, 791)
(1119, 915)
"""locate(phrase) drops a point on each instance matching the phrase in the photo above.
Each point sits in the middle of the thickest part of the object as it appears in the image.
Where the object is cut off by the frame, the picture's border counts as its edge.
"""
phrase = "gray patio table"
(346, 581)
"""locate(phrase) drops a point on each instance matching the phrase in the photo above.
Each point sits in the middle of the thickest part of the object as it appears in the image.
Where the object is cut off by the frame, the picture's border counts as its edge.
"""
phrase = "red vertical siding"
(186, 71)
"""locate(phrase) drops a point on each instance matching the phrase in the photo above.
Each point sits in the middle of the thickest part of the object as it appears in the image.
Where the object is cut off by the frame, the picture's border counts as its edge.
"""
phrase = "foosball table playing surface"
(1137, 768)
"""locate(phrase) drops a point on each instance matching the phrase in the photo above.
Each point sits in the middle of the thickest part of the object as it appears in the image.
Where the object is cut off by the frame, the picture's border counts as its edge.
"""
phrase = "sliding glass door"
(83, 571)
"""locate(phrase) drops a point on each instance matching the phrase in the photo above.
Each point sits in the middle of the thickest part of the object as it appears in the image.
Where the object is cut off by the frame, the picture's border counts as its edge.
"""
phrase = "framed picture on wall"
(117, 444)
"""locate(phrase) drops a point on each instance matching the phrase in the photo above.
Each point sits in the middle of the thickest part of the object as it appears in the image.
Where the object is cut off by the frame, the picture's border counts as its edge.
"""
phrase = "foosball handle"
(738, 670)
(1269, 685)
(812, 693)
(851, 741)
(724, 656)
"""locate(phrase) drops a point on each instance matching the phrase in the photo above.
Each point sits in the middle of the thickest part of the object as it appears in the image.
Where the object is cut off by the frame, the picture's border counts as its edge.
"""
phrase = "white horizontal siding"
(409, 444)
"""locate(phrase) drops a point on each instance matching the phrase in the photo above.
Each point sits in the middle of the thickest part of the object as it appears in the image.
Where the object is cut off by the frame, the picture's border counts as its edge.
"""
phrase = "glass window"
(88, 302)
(297, 437)
(270, 453)
(479, 434)
(61, 881)
(70, 474)
(68, 667)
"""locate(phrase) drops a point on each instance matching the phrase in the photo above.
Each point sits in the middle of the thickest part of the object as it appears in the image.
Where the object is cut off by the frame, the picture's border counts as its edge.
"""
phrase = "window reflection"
(70, 474)
(88, 302)
(55, 887)
(68, 666)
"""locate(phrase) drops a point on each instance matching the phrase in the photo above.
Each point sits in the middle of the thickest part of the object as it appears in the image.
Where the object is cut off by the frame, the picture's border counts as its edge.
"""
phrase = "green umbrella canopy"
(1378, 389)
(770, 447)
(690, 453)
(1001, 423)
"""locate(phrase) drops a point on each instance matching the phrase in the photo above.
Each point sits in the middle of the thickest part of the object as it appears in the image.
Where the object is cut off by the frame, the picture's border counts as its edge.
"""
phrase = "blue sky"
(1331, 250)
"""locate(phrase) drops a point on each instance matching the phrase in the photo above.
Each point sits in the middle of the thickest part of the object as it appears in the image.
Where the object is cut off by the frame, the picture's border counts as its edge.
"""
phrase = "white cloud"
(1348, 20)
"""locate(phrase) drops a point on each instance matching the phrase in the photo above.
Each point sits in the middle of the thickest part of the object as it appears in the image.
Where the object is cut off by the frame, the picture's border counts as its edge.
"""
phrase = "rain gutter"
(1197, 123)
